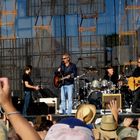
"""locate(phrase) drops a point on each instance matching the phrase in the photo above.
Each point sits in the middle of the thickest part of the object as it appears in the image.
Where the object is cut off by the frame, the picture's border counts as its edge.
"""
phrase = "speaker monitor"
(51, 102)
(106, 98)
(37, 109)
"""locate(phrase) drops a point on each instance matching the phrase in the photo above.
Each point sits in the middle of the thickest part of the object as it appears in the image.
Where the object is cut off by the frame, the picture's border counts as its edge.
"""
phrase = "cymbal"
(91, 69)
(107, 67)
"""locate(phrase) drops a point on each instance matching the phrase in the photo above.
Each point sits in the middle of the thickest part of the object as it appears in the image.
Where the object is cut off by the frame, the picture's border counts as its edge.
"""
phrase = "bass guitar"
(133, 83)
(58, 80)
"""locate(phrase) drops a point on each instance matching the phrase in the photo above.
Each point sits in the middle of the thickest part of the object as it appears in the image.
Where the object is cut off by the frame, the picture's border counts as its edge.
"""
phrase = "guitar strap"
(63, 72)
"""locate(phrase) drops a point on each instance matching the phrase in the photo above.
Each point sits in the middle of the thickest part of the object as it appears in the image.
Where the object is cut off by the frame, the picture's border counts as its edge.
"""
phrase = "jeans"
(27, 97)
(66, 92)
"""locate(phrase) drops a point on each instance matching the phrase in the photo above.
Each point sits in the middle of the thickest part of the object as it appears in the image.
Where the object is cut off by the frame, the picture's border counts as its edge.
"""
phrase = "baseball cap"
(70, 129)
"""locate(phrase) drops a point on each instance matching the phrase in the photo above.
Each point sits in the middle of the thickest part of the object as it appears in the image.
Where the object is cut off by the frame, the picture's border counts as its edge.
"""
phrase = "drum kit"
(91, 91)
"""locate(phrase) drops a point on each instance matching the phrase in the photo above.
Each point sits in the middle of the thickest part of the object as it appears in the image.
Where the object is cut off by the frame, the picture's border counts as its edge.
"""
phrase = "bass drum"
(83, 92)
(95, 98)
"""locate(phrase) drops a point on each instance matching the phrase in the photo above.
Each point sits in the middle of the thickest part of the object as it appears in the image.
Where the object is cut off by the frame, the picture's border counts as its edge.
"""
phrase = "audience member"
(114, 109)
(12, 135)
(86, 113)
(44, 127)
(127, 131)
(70, 128)
(3, 131)
(107, 128)
(138, 135)
(19, 123)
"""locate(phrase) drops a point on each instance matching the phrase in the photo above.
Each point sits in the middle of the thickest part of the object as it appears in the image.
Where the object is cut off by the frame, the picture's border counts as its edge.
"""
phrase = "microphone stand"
(119, 75)
(78, 60)
(130, 64)
(40, 81)
(40, 88)
(118, 64)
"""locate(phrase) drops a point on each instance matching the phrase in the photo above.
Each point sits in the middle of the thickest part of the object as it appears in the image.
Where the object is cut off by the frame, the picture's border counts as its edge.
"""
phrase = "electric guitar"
(133, 83)
(58, 80)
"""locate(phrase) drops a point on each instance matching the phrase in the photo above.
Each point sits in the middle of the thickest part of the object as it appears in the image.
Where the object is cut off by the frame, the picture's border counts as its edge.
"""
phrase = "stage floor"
(99, 113)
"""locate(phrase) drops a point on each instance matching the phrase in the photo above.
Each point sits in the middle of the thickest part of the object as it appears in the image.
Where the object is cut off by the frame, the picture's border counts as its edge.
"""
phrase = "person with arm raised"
(19, 123)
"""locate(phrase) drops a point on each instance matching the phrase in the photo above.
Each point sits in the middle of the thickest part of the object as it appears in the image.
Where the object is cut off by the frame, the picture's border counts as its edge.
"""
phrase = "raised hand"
(5, 96)
(114, 109)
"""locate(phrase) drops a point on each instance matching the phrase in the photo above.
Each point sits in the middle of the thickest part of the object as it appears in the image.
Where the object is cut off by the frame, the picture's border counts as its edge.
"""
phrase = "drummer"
(110, 75)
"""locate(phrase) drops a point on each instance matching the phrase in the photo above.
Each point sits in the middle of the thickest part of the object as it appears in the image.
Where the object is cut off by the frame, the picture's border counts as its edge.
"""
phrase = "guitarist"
(28, 87)
(68, 70)
(136, 100)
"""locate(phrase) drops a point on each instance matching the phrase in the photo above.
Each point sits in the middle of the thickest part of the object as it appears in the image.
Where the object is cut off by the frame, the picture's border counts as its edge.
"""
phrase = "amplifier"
(106, 98)
(51, 102)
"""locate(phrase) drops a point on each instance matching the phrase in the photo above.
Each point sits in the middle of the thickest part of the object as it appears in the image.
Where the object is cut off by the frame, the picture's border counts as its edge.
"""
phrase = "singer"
(68, 71)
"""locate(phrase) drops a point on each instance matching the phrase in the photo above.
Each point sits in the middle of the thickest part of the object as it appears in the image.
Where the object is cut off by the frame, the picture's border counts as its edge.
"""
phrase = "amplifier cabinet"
(50, 102)
(106, 98)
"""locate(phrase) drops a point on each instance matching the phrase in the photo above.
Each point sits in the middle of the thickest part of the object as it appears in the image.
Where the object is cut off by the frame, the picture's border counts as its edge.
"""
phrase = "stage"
(45, 106)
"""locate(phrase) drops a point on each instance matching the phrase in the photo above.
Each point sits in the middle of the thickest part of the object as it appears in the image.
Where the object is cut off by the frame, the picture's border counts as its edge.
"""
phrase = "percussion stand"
(76, 91)
(76, 87)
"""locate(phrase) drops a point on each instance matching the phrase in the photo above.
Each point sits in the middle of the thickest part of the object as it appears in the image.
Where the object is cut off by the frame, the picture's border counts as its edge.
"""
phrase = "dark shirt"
(136, 72)
(26, 77)
(68, 70)
(113, 78)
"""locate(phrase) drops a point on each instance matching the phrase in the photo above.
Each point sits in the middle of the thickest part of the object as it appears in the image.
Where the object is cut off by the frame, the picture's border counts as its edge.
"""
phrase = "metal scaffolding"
(128, 28)
(63, 7)
(87, 47)
(7, 19)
